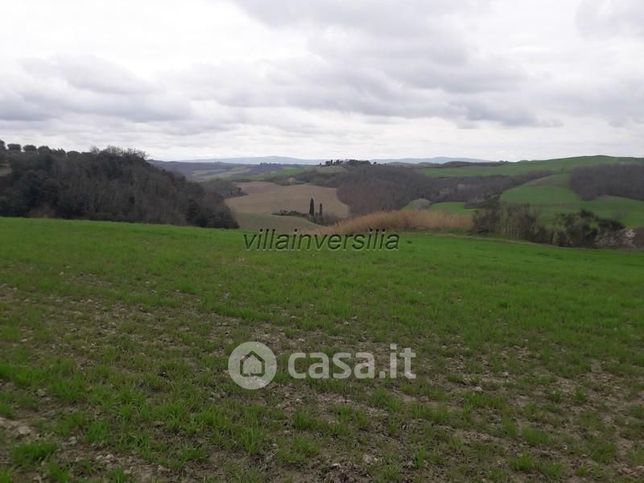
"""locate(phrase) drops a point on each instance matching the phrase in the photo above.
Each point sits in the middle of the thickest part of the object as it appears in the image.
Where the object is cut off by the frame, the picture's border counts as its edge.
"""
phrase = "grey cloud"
(510, 116)
(59, 87)
(328, 85)
(385, 58)
(14, 108)
(619, 102)
(90, 73)
(437, 59)
(383, 17)
(427, 51)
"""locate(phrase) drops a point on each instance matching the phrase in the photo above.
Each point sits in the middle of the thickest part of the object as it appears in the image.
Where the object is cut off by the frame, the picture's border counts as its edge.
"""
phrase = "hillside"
(115, 339)
(553, 195)
(545, 185)
(112, 184)
(231, 168)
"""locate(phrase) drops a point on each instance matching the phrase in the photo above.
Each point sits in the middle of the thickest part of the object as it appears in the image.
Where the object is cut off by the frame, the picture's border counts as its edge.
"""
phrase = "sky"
(190, 79)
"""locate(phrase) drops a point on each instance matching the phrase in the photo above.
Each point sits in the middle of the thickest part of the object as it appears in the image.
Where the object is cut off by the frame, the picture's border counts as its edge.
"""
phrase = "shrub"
(582, 229)
(510, 220)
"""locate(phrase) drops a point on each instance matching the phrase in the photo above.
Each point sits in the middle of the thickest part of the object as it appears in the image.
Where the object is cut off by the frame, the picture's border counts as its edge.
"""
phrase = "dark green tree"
(14, 147)
(312, 208)
(2, 146)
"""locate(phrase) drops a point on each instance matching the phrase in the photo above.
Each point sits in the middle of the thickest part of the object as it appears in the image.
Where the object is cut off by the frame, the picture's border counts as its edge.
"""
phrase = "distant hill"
(226, 169)
(435, 160)
(261, 166)
(309, 161)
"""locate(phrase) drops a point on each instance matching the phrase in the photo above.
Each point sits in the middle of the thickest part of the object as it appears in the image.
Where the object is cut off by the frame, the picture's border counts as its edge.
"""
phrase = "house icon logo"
(252, 365)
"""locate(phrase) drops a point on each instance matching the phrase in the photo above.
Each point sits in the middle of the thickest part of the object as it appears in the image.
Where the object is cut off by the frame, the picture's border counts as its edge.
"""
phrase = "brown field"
(403, 220)
(267, 198)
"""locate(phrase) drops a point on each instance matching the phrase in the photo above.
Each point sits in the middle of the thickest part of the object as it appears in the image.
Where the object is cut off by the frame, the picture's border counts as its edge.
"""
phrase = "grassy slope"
(283, 224)
(451, 207)
(448, 206)
(552, 195)
(114, 340)
(558, 165)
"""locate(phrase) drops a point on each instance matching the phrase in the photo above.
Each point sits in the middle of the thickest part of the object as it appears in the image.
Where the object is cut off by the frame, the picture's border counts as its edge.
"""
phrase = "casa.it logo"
(252, 365)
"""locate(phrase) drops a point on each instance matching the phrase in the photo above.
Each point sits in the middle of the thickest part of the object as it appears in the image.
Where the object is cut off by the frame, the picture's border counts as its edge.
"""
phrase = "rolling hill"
(552, 195)
(259, 167)
(454, 187)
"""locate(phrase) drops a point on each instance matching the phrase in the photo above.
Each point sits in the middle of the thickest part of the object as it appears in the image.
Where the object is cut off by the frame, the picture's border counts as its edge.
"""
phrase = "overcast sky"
(494, 79)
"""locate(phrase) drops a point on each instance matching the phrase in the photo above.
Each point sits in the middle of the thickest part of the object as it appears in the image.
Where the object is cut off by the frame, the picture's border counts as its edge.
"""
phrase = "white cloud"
(492, 78)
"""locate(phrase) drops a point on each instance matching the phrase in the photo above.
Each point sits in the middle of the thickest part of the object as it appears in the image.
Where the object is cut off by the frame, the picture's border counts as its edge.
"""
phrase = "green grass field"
(448, 206)
(451, 207)
(552, 195)
(283, 224)
(562, 165)
(114, 341)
